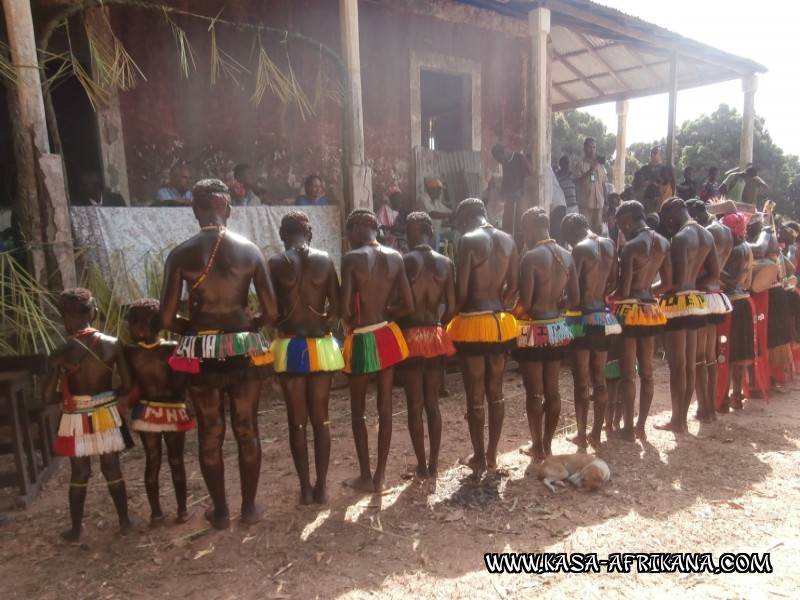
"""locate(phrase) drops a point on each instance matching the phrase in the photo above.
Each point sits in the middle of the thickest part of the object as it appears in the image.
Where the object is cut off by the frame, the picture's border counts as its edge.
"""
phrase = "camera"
(601, 159)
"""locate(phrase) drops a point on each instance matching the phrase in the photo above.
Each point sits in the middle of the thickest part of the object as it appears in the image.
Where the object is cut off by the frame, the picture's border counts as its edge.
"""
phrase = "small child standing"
(90, 421)
(158, 410)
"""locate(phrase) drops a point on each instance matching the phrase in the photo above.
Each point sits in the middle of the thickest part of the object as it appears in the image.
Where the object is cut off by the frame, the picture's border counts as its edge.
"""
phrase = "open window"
(446, 111)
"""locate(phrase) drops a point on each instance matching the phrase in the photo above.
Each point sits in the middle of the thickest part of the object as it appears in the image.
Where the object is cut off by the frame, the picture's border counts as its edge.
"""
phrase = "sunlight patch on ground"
(315, 524)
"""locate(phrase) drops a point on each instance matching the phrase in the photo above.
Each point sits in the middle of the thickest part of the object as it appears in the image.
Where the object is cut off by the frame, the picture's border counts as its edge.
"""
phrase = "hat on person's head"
(434, 183)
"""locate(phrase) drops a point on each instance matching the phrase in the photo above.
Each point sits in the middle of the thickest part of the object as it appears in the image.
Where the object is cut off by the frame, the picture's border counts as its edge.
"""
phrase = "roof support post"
(109, 119)
(622, 128)
(540, 109)
(357, 175)
(40, 206)
(749, 87)
(673, 107)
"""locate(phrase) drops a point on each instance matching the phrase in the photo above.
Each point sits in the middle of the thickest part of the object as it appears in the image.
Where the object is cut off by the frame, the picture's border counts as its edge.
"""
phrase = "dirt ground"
(728, 487)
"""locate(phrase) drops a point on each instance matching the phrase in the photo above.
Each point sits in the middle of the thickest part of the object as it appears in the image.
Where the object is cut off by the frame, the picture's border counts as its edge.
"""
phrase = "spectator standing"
(590, 185)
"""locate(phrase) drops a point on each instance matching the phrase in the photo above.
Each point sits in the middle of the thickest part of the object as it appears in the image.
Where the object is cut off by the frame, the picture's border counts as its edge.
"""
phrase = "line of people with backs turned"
(543, 306)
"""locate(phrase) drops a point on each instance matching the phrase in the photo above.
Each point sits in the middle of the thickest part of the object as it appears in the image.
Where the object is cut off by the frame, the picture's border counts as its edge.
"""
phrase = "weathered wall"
(170, 118)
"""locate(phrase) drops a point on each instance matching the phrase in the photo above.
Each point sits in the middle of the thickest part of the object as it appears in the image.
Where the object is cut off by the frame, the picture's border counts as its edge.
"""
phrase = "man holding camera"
(590, 185)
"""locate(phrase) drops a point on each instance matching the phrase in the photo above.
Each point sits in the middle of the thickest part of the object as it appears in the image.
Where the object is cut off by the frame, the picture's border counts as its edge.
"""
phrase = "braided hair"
(363, 217)
(420, 219)
(295, 223)
(210, 194)
(76, 302)
(471, 207)
(146, 309)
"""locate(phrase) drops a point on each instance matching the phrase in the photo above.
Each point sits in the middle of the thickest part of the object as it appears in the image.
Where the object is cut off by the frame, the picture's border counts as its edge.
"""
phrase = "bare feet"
(217, 521)
(580, 441)
(126, 526)
(422, 472)
(670, 426)
(378, 481)
(477, 464)
(250, 515)
(491, 461)
(433, 470)
(535, 451)
(321, 493)
(306, 496)
(736, 402)
(184, 516)
(361, 483)
(594, 442)
(626, 435)
(72, 535)
(156, 521)
(640, 433)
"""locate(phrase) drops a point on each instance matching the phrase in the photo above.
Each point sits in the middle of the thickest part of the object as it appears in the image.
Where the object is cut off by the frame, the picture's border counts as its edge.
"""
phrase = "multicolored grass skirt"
(219, 358)
(483, 332)
(304, 355)
(429, 341)
(718, 305)
(614, 369)
(90, 426)
(639, 318)
(593, 330)
(160, 416)
(373, 348)
(544, 340)
(684, 310)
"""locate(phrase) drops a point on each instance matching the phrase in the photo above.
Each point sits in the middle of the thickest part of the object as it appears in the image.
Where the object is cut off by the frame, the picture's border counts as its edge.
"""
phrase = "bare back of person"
(550, 264)
(738, 270)
(487, 252)
(304, 280)
(645, 253)
(373, 270)
(428, 274)
(88, 363)
(690, 247)
(220, 301)
(723, 240)
(595, 261)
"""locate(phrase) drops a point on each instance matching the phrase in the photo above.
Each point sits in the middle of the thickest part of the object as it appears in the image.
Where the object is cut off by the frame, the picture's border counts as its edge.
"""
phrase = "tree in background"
(569, 131)
(714, 141)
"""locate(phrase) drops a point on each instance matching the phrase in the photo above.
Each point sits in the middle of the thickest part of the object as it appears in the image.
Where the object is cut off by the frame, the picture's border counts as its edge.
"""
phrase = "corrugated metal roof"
(602, 54)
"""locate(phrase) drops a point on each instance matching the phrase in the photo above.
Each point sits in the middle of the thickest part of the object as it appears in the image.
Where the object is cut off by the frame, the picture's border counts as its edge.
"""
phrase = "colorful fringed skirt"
(718, 305)
(639, 318)
(160, 416)
(219, 358)
(684, 310)
(742, 332)
(483, 332)
(592, 330)
(544, 340)
(427, 343)
(373, 348)
(90, 426)
(779, 331)
(298, 355)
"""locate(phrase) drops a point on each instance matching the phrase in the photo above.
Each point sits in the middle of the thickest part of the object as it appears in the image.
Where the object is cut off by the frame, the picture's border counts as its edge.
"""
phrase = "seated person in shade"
(91, 192)
(243, 186)
(178, 192)
(314, 193)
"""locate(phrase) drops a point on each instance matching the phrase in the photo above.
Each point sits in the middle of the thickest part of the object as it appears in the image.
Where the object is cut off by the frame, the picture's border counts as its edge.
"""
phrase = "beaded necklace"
(222, 230)
(150, 346)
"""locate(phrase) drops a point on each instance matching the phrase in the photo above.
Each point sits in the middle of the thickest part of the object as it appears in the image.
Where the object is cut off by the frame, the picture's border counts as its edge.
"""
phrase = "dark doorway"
(446, 111)
(77, 126)
(8, 174)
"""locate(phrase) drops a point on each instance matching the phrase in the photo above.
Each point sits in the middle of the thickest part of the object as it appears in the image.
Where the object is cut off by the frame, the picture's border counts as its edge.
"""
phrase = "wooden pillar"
(673, 107)
(749, 87)
(358, 176)
(41, 204)
(622, 129)
(540, 109)
(109, 119)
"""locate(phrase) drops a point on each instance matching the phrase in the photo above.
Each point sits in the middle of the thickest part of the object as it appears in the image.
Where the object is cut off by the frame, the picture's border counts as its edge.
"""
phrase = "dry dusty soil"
(733, 486)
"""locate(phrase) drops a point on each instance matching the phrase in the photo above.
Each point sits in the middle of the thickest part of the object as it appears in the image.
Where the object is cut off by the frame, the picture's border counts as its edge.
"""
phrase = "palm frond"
(6, 68)
(115, 67)
(269, 76)
(186, 52)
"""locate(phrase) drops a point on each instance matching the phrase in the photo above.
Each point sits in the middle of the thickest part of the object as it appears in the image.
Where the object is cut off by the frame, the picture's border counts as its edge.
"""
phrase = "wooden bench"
(31, 424)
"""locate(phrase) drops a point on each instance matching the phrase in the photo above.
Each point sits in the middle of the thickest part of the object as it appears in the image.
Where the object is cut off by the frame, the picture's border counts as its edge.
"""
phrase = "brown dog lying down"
(585, 471)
